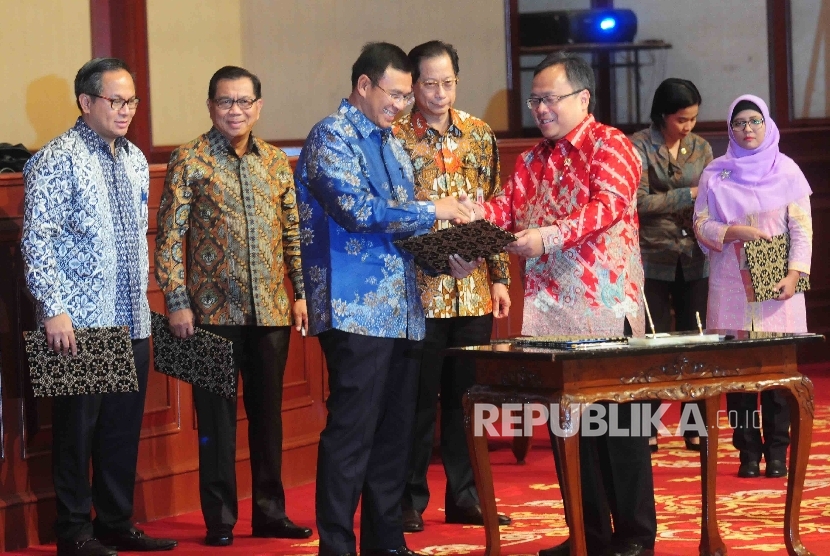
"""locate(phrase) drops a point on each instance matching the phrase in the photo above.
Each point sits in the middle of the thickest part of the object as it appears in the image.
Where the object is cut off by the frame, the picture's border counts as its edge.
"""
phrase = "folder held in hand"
(104, 363)
(204, 359)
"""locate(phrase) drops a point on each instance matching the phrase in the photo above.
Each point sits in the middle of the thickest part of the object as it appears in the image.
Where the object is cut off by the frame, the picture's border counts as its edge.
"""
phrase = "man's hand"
(528, 244)
(501, 300)
(745, 233)
(300, 312)
(474, 209)
(787, 285)
(181, 323)
(460, 269)
(453, 209)
(60, 335)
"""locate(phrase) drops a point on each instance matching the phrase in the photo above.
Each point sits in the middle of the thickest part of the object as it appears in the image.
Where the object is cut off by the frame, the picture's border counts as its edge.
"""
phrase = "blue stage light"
(607, 24)
(604, 25)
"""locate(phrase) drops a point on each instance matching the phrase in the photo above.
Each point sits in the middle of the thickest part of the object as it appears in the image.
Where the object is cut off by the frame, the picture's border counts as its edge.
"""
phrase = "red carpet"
(750, 511)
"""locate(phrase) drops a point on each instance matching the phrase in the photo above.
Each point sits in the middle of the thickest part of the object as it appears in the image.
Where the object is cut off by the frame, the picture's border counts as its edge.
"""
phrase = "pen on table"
(699, 326)
(648, 314)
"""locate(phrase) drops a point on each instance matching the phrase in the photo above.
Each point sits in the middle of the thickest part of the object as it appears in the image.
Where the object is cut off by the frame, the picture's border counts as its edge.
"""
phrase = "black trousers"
(451, 377)
(686, 298)
(775, 421)
(364, 448)
(260, 353)
(617, 483)
(105, 428)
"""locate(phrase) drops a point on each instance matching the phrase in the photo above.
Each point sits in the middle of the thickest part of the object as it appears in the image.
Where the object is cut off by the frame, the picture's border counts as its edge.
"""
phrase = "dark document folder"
(204, 359)
(479, 238)
(767, 262)
(104, 363)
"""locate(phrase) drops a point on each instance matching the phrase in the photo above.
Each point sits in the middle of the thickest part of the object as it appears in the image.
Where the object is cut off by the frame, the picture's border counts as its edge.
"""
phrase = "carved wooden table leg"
(711, 543)
(477, 445)
(800, 397)
(572, 487)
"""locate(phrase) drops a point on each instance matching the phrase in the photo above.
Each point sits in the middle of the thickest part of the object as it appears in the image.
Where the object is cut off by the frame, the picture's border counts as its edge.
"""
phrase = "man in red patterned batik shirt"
(572, 203)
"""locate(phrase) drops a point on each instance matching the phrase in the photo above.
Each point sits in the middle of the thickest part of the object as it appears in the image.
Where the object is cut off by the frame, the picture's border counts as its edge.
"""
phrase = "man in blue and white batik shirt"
(84, 246)
(356, 196)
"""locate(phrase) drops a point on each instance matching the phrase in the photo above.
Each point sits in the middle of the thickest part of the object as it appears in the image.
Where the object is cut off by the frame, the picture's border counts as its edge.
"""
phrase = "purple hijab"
(743, 182)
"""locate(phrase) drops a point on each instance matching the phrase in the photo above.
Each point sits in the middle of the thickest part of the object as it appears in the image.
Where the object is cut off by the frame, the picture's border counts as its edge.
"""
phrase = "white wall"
(44, 44)
(720, 45)
(304, 51)
(810, 54)
(188, 41)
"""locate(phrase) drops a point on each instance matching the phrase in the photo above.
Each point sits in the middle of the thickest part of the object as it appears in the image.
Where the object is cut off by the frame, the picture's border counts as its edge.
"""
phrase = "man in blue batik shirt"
(356, 196)
(84, 246)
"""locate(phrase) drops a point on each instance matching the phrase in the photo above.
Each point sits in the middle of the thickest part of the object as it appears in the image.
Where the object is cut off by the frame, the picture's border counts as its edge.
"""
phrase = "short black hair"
(375, 57)
(578, 72)
(90, 78)
(673, 94)
(431, 49)
(232, 73)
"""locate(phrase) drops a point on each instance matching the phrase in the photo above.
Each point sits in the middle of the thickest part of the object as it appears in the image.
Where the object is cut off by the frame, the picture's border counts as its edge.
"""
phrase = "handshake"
(458, 210)
(462, 210)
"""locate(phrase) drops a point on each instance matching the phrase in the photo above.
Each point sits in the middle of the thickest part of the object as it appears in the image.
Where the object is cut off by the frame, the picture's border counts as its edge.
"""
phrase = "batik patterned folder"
(479, 238)
(204, 359)
(104, 363)
(767, 262)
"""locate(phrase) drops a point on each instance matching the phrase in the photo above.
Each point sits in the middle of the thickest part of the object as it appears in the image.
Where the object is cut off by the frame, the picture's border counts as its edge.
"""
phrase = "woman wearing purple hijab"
(754, 192)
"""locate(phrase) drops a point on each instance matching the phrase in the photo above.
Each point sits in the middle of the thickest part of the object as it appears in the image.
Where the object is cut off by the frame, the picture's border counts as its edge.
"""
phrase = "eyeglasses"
(549, 100)
(754, 123)
(225, 103)
(432, 85)
(119, 103)
(397, 97)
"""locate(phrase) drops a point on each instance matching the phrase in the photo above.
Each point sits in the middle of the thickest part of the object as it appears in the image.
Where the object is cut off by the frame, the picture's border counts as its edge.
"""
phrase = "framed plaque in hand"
(767, 262)
(479, 238)
(104, 363)
(204, 359)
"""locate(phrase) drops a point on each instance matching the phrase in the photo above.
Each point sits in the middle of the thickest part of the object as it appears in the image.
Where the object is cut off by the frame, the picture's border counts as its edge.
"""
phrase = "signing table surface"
(689, 371)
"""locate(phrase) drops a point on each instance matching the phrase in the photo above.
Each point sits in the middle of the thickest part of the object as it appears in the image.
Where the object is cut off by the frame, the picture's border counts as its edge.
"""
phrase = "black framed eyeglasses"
(754, 123)
(119, 103)
(549, 100)
(225, 103)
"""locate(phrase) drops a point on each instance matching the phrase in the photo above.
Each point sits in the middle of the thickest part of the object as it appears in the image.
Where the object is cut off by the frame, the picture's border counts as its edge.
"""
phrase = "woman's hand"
(786, 287)
(745, 233)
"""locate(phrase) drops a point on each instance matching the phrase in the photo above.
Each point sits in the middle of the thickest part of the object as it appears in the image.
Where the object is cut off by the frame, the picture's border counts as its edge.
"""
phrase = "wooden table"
(743, 362)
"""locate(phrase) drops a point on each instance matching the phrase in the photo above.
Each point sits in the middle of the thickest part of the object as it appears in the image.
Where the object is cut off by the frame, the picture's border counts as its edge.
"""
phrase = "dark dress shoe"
(749, 470)
(282, 529)
(219, 537)
(412, 521)
(776, 468)
(472, 516)
(135, 540)
(400, 551)
(84, 547)
(562, 549)
(631, 549)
